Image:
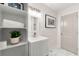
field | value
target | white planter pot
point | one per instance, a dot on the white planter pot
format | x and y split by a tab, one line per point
14	40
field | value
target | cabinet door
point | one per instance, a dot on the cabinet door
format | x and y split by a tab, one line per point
0	53
38	48
26	50
17	51
34	49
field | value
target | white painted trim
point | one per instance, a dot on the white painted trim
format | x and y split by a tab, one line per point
58	32
78	32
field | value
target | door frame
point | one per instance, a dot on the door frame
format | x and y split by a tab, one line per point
77	11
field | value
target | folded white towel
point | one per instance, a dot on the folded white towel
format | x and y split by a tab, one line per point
12	24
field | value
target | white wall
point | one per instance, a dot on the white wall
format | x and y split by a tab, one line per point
65	12
51	33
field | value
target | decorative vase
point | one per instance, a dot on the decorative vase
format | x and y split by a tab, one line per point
14	40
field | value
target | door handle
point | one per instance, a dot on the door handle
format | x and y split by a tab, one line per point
61	33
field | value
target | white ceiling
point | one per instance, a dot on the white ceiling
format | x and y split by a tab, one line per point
59	6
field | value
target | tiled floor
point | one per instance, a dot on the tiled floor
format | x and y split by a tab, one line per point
60	52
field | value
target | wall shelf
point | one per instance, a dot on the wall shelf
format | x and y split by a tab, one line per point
13	28
12	10
12	46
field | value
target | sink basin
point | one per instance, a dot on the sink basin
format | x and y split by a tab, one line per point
37	39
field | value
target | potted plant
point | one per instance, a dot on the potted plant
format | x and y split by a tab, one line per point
15	37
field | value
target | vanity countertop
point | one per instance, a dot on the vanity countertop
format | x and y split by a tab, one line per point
39	38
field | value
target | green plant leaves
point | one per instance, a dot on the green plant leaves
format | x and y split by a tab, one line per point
15	34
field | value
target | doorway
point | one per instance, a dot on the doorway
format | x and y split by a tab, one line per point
69	32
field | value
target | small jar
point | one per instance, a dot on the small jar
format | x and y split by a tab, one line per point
3	44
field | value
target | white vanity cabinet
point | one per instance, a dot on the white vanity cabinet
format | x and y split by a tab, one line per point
38	46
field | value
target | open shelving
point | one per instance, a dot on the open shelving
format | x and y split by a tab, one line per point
12	46
13	15
12	10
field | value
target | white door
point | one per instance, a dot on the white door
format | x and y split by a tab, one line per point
69	32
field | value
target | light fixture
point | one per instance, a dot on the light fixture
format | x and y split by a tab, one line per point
34	13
